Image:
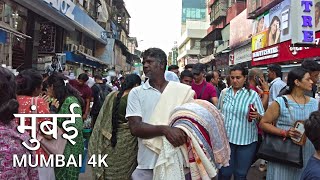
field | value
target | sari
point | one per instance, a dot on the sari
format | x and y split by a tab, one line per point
122	159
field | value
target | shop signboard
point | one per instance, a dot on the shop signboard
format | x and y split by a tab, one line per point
272	27
283	52
304	24
76	14
242	54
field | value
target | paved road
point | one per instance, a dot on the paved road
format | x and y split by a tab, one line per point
254	174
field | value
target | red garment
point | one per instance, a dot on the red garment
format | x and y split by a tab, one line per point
256	90
208	93
25	103
85	90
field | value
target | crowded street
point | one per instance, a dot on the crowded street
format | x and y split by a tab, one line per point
159	90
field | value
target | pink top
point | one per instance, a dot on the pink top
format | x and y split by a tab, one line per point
25	103
208	92
10	144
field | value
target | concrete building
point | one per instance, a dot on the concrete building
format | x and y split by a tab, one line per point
194	24
87	35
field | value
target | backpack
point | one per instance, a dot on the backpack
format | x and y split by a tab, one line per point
103	92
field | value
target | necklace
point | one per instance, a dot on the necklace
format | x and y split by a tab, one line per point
304	105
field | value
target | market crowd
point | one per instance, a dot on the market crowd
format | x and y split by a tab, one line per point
169	124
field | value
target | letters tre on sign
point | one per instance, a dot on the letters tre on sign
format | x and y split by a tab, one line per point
307	21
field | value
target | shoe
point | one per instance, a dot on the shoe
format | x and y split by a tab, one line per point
262	167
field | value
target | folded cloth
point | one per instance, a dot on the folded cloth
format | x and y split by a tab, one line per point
207	147
203	114
175	94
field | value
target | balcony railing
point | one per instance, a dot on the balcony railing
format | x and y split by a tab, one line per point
218	11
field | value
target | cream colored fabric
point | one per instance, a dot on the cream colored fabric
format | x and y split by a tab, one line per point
175	94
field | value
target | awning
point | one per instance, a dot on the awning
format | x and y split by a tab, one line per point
207	59
89	57
6	27
213	35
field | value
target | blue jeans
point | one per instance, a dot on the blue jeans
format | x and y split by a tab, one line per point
240	162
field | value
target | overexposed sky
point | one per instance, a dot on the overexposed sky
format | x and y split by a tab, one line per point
156	22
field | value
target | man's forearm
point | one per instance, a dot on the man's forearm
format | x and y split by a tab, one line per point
87	107
147	131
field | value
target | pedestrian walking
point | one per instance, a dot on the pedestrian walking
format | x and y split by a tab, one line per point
299	107
240	123
111	135
29	87
312	127
11	139
148	112
59	88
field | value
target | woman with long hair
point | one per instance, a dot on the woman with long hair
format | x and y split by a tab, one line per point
300	108
59	88
274	31
29	87
11	140
240	123
111	135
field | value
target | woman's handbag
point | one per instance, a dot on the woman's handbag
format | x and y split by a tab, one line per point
276	149
54	146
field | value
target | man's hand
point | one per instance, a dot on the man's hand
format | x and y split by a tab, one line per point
84	117
175	136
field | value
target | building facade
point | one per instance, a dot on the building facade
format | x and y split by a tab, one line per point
194	23
81	34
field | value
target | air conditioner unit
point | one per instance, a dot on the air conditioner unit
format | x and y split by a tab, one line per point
217	43
81	48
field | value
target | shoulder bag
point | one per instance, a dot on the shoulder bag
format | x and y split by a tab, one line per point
276	149
53	146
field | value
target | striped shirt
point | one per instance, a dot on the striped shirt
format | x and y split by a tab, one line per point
236	109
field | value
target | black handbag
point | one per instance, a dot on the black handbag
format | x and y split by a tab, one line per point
276	149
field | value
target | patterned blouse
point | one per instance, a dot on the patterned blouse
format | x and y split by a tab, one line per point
10	144
25	103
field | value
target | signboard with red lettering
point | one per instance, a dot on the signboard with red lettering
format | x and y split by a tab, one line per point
282	52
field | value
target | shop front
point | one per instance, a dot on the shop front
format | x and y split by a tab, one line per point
62	27
13	18
279	31
241	55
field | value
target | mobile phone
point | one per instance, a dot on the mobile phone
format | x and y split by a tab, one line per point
299	127
257	80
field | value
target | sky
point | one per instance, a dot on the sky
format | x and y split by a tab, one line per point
155	23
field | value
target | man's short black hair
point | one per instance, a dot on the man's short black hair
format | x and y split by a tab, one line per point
172	67
83	77
209	76
276	68
186	73
156	53
188	66
98	76
310	65
312	129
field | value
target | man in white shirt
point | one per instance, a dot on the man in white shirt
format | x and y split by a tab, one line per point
276	84
142	101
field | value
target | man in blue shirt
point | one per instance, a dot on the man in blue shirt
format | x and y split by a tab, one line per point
276	84
312	129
